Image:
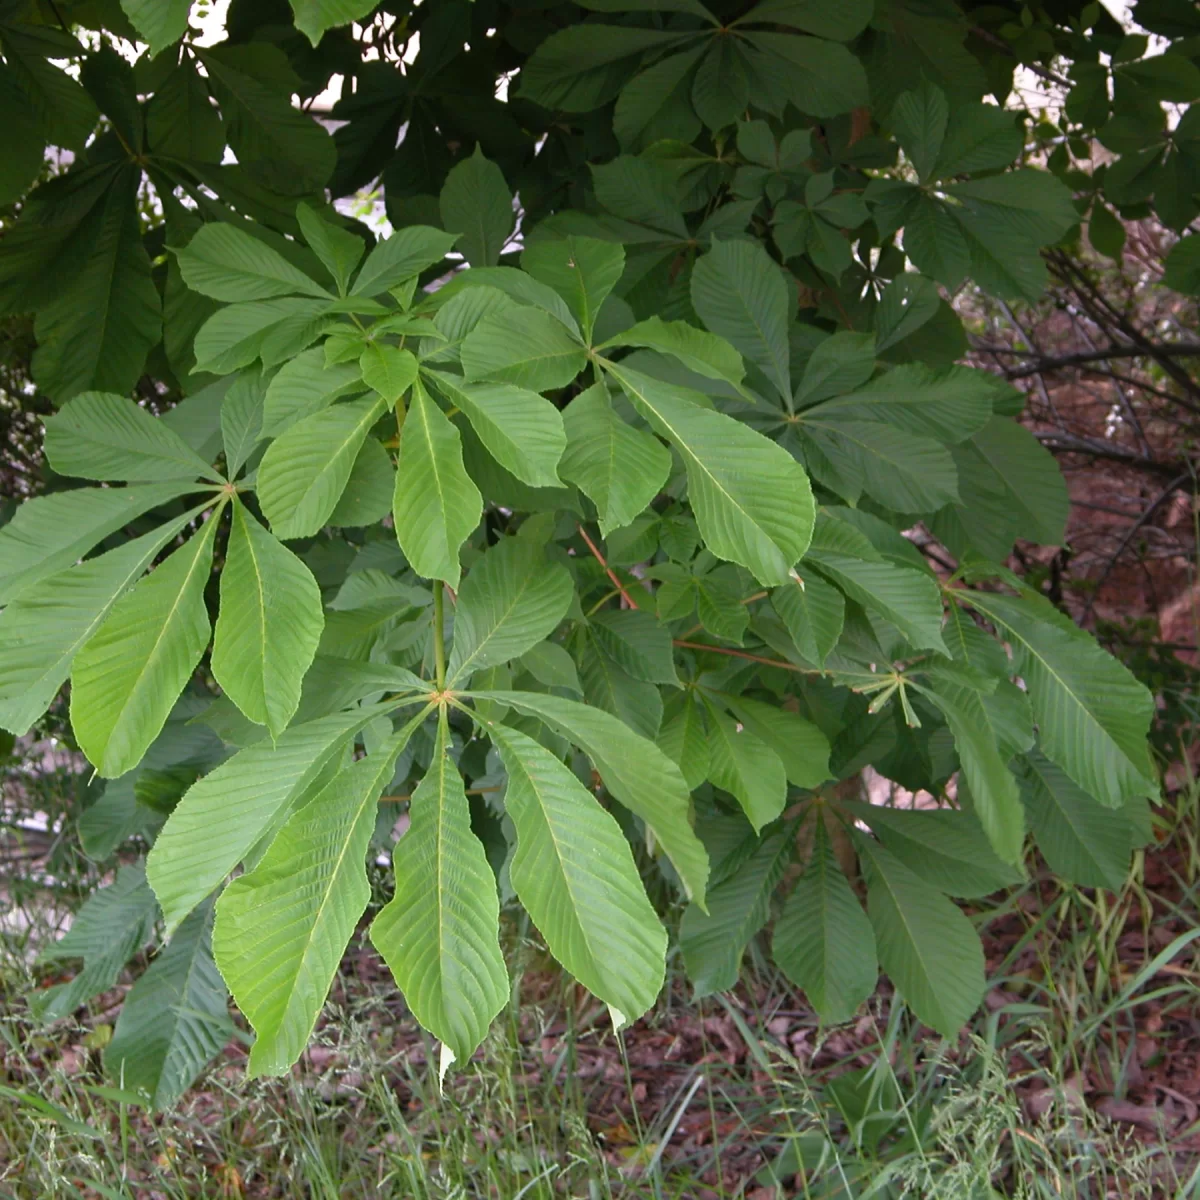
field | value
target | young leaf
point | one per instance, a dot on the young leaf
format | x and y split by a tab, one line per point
269	625
304	471
575	874
282	928
751	499
439	932
221	816
436	506
511	599
102	436
620	468
477	205
823	939
926	945
126	678
389	370
173	1020
228	264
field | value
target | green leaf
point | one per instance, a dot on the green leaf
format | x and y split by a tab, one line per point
620	468
840	22
1033	484
633	769
521	430
389	370
1082	841
1093	716
740	294
575	874
304	472
269	626
813	612
637	643
946	847
367	497
282	928
841	363
126	678
112	819
314	17
823	940
683	739
524	346
926	945
398	258
818	77
181	121
304	386
746	767
801	746
226	263
102	436
50	533
42	630
338	249
477	206
750	498
511	599
235	336
582	270
223	815
713	943
439	932
704	353
919	119
241	419
174	1019
160	22
436	506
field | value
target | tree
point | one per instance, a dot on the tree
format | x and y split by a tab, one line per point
603	516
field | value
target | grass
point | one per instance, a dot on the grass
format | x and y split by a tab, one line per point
1054	1092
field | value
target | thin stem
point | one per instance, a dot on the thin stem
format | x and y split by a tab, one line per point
758	658
607	569
439	635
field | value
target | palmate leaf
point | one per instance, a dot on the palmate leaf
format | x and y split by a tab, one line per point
511	599
746	767
582	270
574	873
221	816
1092	714
242	419
102	436
701	352
751	499
233	337
684	740
269	624
228	264
174	1019
823	940
801	746
436	506
477	205
439	932
524	346
398	258
128	675
42	630
388	370
304	386
633	769
713	942
282	928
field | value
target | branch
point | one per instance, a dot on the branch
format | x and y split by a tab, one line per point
607	569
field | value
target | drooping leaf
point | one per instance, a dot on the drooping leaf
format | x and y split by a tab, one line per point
228	264
314	17
160	22
477	205
338	249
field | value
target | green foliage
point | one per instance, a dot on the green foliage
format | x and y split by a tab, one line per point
601	460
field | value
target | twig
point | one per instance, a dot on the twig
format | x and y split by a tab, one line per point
758	658
607	569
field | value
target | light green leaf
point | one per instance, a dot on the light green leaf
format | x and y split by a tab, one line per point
740	294
439	932
582	270
704	353
746	767
633	769
636	641
173	1020
713	943
314	17
1082	841
102	436
575	874
304	472
234	336
126	678
522	430
926	945
282	928
524	346
367	497
304	386
683	739
476	204
223	815
620	468
226	263
436	506
802	747
823	940
388	369
50	533
813	612
269	625
241	419
751	499
398	258
1093	716
511	599
160	22
338	249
